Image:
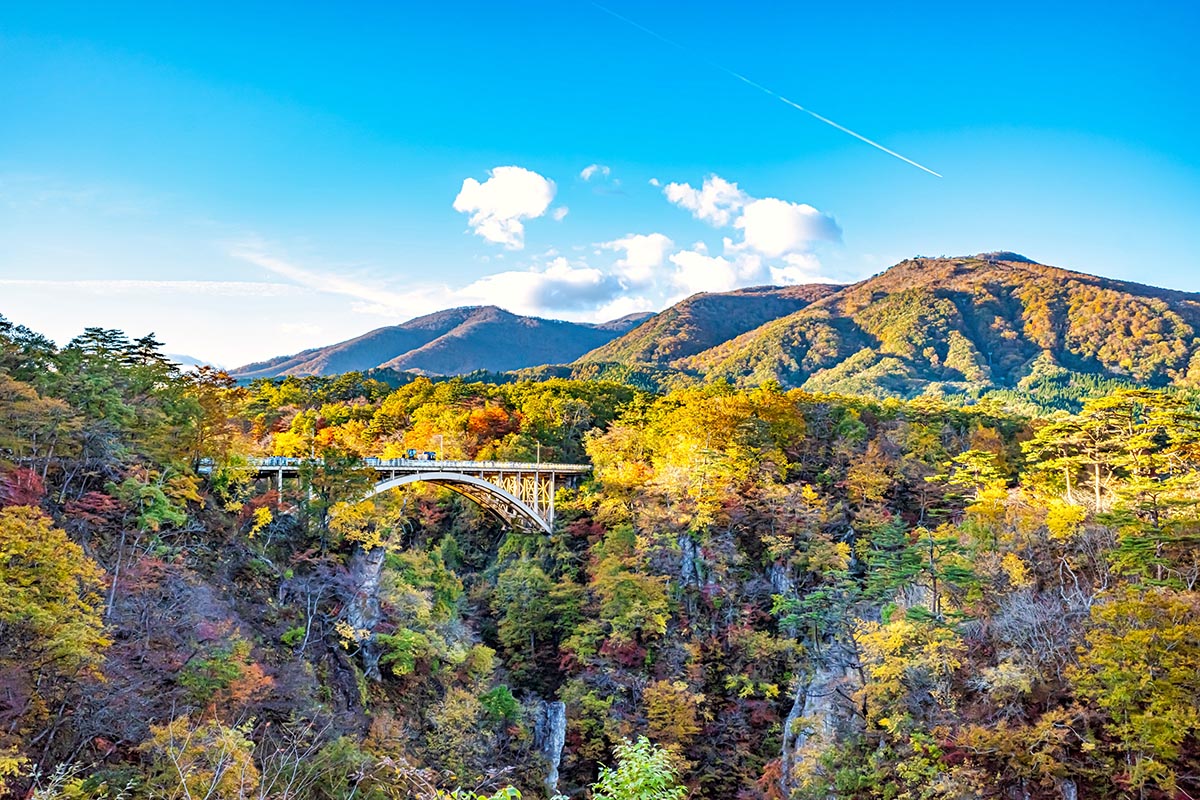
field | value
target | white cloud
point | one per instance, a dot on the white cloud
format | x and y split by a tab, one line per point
775	227
716	202
798	268
594	169
499	205
560	213
697	272
624	305
655	182
561	286
770	226
601	177
644	254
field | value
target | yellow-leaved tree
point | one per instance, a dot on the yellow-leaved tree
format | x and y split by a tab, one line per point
193	759
1141	665
51	625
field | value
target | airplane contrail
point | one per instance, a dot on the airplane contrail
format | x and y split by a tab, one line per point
765	90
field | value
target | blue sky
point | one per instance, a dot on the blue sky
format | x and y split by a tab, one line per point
251	179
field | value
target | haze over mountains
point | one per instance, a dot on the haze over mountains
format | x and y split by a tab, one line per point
967	325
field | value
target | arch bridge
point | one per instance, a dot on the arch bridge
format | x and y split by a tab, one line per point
519	493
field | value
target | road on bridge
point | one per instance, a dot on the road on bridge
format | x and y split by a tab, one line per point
518	492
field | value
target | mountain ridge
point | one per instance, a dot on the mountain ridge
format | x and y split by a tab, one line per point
964	325
705	320
451	341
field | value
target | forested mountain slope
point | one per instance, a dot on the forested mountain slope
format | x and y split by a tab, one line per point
703	321
967	325
363	352
450	342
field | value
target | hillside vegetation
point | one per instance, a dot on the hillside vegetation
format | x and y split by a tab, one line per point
450	342
703	321
967	326
762	593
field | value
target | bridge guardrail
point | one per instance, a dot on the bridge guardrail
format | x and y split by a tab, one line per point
285	462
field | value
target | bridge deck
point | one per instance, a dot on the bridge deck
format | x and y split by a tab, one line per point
519	492
275	464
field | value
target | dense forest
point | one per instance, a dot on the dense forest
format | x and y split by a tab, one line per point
760	593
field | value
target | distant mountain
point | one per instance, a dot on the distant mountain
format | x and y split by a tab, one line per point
451	342
967	325
187	362
625	323
705	320
994	323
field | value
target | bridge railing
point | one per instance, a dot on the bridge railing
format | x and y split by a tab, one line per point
287	462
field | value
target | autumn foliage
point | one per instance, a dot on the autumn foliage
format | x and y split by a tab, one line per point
758	592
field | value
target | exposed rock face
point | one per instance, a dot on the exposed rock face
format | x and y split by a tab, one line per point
781	579
819	712
689	554
363	613
549	736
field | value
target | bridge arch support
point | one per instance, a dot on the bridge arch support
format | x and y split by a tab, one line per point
501	502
